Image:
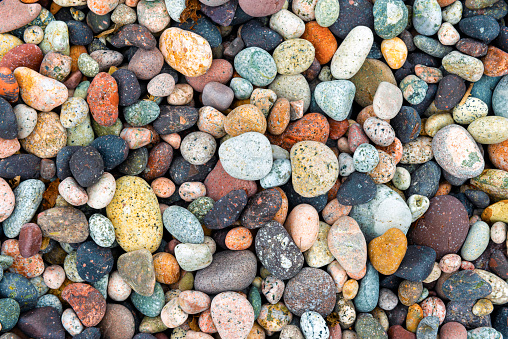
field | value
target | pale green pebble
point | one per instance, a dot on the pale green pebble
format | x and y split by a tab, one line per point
50	300
200	207
186	283
33	35
6	261
327	12
82	89
426	16
425	294
73	112
418	205
152	325
175	8
476	242
469	111
56	38
484	333
179	333
325	74
101	230
171	294
413	89
489	130
141	113
452	13
318	255
102	285
287	24
88	66
401	179
70	268
81	135
294	56
152	305
114	129
278	175
431	46
40	285
123	15
465	66
256	65
242	88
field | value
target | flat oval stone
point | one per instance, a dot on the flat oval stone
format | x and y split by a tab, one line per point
387	100
335	98
465	285
476	242
139	226
472	109
347	244
252	165
465	66
293	56
314	326
443	227
183	225
174	119
463	162
481	27
152	305
277	251
30	240
489	130
41	322
254	34
375	217
64	224
236	269
352	52
129	89
310	290
357	189
256	65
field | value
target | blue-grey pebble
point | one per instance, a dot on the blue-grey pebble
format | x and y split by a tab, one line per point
183	225
50	300
241	87
500	97
428	327
204	27
9	313
368	294
426	16
19	288
141	113
431	46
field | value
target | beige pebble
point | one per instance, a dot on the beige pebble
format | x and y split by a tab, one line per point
190	191
181	95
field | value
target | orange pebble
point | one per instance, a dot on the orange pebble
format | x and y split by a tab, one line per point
163	187
395	52
239	238
498	154
322	39
394	149
166	268
444	188
27	267
205	322
414	316
75	52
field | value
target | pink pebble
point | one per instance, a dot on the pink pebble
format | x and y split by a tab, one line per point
193	302
163	187
205	322
453	330
136	137
54	276
8	147
338	274
450	263
190	191
174	139
7	200
74	194
466	265
435	307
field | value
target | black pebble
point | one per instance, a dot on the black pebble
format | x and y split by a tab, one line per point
86	166
113	149
129	89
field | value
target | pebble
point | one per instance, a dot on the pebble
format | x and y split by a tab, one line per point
387	251
314	326
476	242
351	54
426	17
335	98
287	24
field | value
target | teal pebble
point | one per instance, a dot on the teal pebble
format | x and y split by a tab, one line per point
200	207
327	12
499	97
414	89
150	306
431	46
40	285
476	242
9	313
141	113
368	294
241	87
256	65
390	18
254	298
428	327
50	300
102	285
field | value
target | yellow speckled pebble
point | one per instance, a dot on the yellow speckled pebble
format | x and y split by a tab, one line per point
135	214
395	52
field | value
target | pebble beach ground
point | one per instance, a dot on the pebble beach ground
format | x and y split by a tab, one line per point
251	169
